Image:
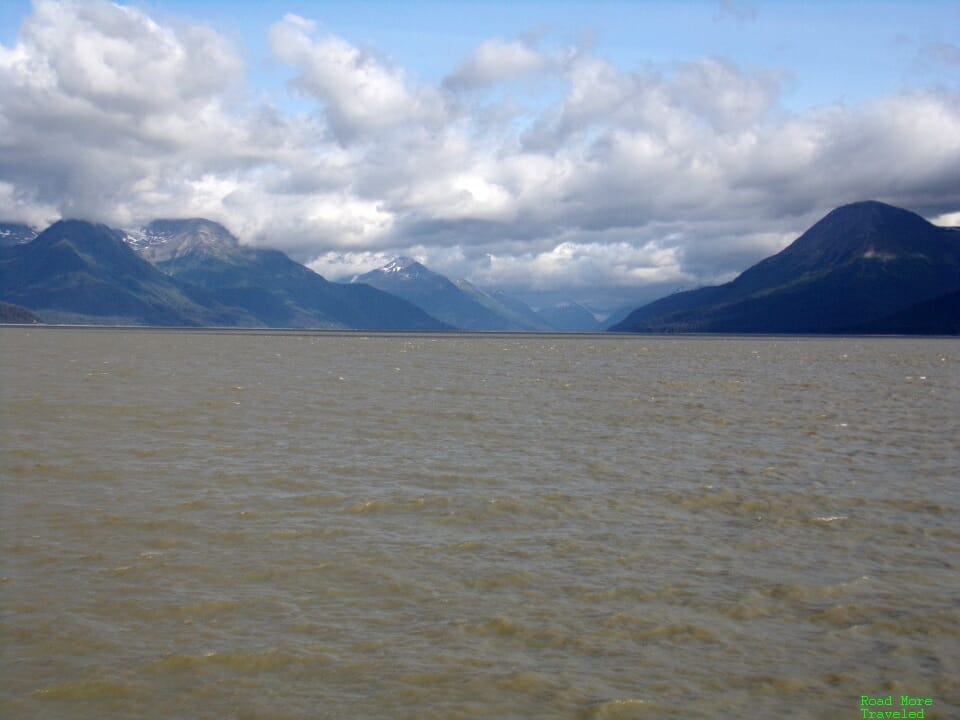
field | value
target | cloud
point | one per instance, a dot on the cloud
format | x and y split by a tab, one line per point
338	265
723	95
947	219
587	264
103	108
359	92
657	175
495	61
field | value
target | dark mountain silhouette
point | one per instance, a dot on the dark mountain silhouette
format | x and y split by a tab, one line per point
939	316
268	285
462	307
857	268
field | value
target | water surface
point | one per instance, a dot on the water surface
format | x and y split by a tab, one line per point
303	525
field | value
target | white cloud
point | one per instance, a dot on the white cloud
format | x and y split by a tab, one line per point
586	264
947	220
359	92
721	94
655	175
17	206
100	102
347	265
116	58
497	60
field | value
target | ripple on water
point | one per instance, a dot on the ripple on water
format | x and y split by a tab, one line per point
627	709
89	690
522	527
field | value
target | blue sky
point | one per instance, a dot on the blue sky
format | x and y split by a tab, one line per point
833	50
591	151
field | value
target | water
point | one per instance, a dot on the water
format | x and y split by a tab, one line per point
279	525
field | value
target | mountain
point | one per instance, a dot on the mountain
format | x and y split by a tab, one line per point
939	316
266	284
570	317
859	267
15	233
435	294
523	313
620	314
200	275
79	272
517	314
16	315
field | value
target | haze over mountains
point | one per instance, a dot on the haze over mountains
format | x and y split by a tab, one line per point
864	268
458	303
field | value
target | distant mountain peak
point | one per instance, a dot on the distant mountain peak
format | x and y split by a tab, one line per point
864	209
402	261
860	228
457	304
81	271
403	264
168	239
857	265
172	226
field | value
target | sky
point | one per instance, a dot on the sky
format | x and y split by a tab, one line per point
605	153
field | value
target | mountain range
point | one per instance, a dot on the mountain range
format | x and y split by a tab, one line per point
458	304
864	268
193	272
267	285
80	272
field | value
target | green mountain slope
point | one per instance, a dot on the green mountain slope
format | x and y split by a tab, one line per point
79	272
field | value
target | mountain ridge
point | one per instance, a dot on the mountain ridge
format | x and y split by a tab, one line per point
865	267
267	284
440	297
859	263
76	271
81	272
470	308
